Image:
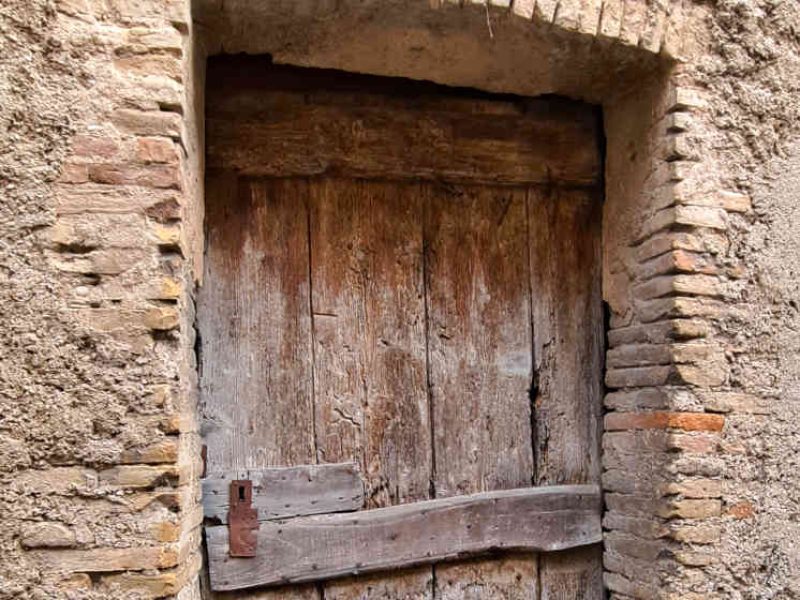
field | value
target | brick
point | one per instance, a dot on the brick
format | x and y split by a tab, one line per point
567	16
157	176
694	216
151	65
629	545
694	559
704	241
165	531
161	452
165	211
678	261
143	585
100	560
166	235
523	8
694	442
679	308
689	285
611	19
695	534
708	374
643	527
652	398
47	535
692	509
162	38
686	99
658	333
545	10
74	173
94	146
149	123
664	420
632	504
638	376
162	319
76	581
620	481
589	19
741	510
638	355
139	476
156	150
694	488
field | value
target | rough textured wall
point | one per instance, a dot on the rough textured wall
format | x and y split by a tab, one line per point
97	176
753	78
93	366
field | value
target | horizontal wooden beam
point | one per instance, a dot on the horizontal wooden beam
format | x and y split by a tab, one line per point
283	492
327	546
309	127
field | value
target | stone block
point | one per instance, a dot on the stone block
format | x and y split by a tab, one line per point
140	476
693	216
635	355
638	376
698	443
47	535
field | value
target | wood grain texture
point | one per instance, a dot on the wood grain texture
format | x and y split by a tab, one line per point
506	577
369	335
565	238
479	336
254	325
369	346
326	546
283	492
309	124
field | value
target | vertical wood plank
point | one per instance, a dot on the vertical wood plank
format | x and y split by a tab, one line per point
254	324
565	236
255	329
369	349
479	337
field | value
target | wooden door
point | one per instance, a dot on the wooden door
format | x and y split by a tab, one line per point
405	278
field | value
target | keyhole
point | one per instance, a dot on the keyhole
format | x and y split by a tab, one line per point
241	492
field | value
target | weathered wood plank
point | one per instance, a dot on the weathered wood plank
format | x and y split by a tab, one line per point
565	228
283	492
369	335
506	577
479	336
326	546
254	325
270	125
369	343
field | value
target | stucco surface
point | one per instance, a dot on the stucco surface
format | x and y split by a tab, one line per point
85	385
753	75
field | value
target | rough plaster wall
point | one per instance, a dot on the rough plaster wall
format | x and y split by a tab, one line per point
753	76
89	380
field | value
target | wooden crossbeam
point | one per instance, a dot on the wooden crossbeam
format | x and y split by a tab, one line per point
327	546
284	492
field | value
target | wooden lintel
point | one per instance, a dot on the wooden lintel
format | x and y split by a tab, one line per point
327	546
282	492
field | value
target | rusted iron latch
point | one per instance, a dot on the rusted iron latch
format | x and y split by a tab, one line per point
242	519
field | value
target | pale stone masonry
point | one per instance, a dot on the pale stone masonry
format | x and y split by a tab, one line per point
101	242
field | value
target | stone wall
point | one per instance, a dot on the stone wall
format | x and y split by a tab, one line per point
100	240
